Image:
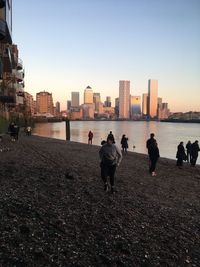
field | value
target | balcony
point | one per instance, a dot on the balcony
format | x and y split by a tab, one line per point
19	64
18	75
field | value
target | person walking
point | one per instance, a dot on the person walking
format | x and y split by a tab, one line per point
188	149
110	156
90	137
110	135
124	143
180	155
153	156
194	152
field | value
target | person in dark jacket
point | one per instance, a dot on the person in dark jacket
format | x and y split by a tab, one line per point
124	143
110	135
180	155
150	141
90	137
188	149
110	156
194	152
153	156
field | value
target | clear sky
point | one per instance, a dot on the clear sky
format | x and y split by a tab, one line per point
67	45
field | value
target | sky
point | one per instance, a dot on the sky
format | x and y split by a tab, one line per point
67	45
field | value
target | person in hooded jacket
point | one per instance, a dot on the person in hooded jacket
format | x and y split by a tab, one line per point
110	156
180	155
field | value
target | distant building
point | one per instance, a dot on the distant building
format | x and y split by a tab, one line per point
76	113
69	103
152	98
107	103
135	107
88	111
88	95
96	101
124	94
75	99
29	103
144	104
44	103
57	110
163	111
117	107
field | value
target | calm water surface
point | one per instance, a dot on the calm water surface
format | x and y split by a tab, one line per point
168	135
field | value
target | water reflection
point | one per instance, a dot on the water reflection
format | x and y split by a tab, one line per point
168	135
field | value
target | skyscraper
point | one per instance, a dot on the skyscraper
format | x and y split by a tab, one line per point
124	94
144	104
152	98
135	107
88	95
96	100
75	99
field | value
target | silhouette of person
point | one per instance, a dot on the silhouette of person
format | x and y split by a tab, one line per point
194	152
188	148
90	137
110	135
180	155
153	156
124	143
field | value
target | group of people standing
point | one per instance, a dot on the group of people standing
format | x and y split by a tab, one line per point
111	156
190	155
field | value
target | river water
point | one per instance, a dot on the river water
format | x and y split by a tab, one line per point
168	135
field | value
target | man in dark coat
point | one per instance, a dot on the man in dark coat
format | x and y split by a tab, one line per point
180	155
194	152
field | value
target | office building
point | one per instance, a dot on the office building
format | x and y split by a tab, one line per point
44	102
135	107
88	95
152	98
74	99
57	107
107	103
144	104
124	94
96	101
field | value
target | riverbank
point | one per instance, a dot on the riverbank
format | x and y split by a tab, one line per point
54	211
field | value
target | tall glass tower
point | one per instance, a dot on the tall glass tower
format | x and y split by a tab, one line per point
152	98
124	94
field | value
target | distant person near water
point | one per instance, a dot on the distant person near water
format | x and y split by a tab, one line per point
188	149
194	152
110	135
150	141
153	157
110	156
90	137
28	130
180	155
124	143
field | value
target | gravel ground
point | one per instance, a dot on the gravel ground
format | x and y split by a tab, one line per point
54	211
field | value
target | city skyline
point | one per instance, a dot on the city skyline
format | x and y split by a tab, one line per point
72	45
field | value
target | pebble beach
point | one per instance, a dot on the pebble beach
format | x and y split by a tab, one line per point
54	211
